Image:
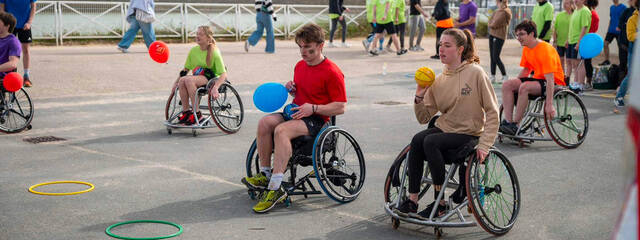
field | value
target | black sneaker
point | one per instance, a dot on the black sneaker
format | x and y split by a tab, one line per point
403	51
459	195
373	53
406	208
509	129
606	62
184	117
435	57
424	214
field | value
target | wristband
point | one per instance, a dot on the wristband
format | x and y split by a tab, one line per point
419	97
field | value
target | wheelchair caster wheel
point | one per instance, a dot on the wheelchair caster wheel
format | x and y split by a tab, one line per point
169	131
520	143
252	194
29	127
287	202
437	232
395	223
500	139
193	131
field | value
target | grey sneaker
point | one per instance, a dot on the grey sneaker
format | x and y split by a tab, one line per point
619	102
419	49
365	43
123	50
246	46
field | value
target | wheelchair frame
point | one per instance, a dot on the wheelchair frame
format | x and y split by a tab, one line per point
211	116
323	143
10	105
535	124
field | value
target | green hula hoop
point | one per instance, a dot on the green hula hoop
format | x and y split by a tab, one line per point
108	231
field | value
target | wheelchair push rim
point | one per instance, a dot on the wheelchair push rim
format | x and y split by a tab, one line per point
494	192
227	110
339	164
16	111
570	125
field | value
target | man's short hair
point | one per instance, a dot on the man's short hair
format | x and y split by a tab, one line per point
527	26
591	3
8	19
310	33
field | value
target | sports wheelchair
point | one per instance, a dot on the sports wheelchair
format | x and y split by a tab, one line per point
568	128
226	112
335	157
16	110
492	190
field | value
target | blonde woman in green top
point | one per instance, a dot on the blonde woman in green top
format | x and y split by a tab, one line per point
205	62
561	35
400	21
579	24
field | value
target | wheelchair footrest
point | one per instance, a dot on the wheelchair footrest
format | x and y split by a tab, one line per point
436	222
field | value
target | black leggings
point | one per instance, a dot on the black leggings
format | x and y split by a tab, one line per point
588	67
400	31
334	26
439	32
432	143
495	47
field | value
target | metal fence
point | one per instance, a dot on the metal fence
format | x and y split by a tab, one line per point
64	20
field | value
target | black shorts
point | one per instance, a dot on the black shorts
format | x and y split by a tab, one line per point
572	53
389	27
561	51
542	82
610	37
23	35
314	123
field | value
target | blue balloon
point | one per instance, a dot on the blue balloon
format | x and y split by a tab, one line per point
270	97
590	46
288	111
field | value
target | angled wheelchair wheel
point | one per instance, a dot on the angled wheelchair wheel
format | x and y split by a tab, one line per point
227	110
494	192
393	181
339	164
16	111
570	125
173	107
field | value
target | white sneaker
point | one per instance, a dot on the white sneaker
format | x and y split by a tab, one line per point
331	45
419	49
505	78
345	45
246	46
123	50
492	78
365	43
388	48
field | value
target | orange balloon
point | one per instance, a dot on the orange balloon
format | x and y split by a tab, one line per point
159	51
12	82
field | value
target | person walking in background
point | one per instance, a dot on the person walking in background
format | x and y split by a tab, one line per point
369	7
498	24
579	24
561	36
542	16
613	33
444	21
595	21
467	18
264	15
400	21
140	15
336	10
416	24
383	12
24	12
632	32
623	42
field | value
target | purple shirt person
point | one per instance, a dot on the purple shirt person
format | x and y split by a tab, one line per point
9	46
467	18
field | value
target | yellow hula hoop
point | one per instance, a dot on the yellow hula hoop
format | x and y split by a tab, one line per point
91	187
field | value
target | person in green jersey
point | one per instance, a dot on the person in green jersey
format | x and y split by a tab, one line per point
561	35
369	8
400	21
579	25
383	14
543	15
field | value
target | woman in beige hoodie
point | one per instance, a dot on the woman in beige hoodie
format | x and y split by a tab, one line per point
465	97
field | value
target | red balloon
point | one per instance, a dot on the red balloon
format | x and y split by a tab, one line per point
159	51
12	82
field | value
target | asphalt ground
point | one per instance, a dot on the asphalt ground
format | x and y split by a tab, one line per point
110	108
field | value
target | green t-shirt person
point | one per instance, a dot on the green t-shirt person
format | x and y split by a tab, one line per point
561	27
369	7
198	58
400	10
381	7
579	19
540	15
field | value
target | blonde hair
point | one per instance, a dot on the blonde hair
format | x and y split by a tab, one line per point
207	31
464	39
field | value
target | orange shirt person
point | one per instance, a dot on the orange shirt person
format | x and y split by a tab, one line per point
541	58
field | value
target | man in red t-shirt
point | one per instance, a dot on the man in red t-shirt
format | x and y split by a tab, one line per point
541	58
319	91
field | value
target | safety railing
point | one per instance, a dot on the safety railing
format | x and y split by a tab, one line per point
64	20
